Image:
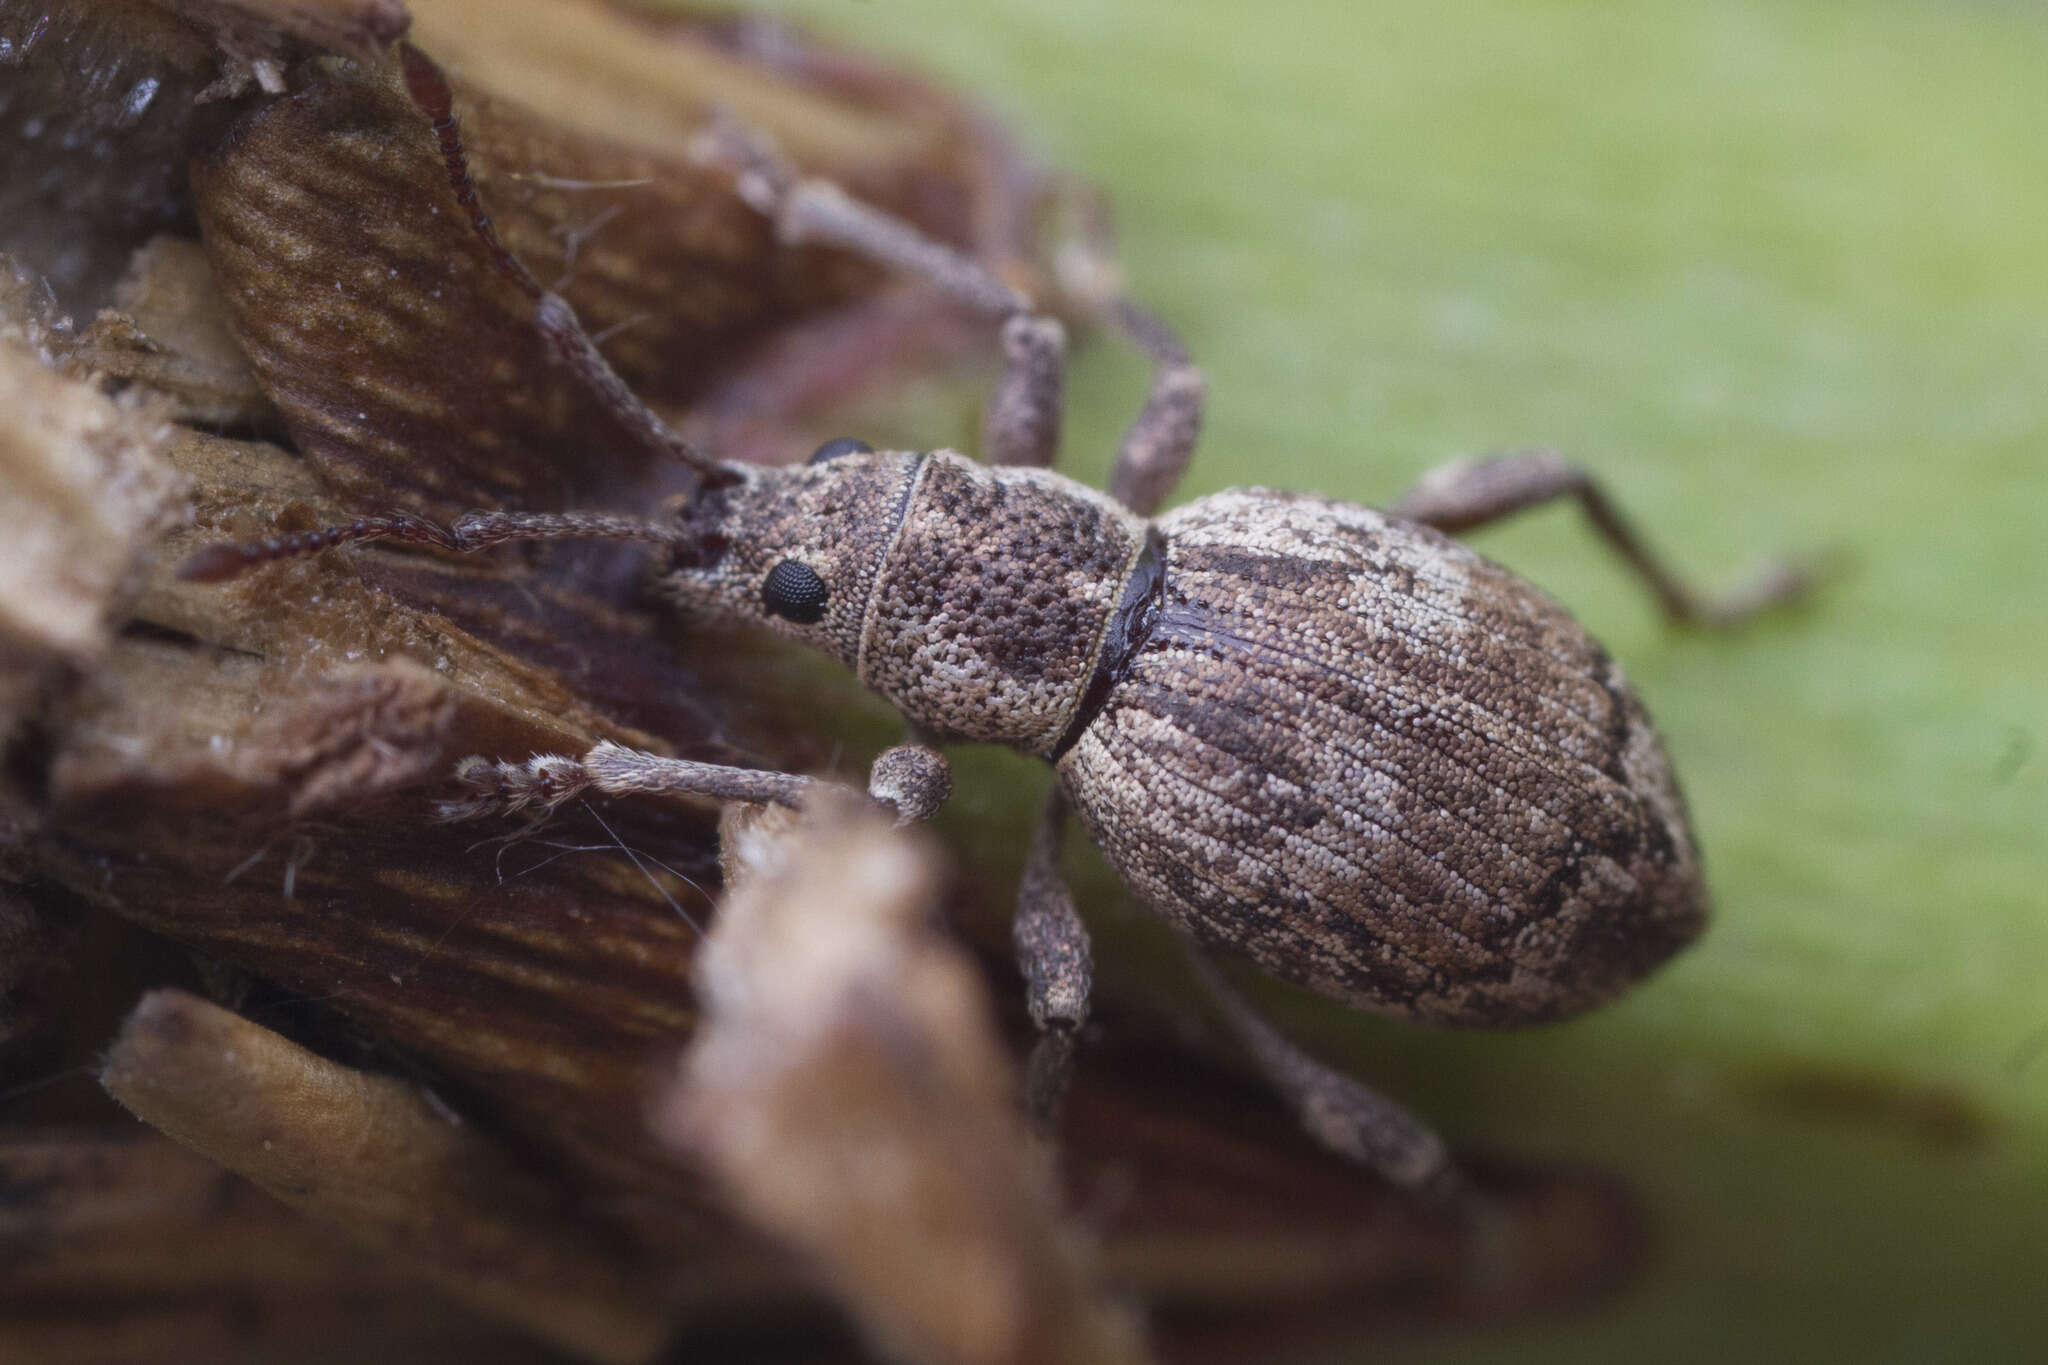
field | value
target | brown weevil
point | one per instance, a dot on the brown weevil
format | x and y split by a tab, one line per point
1329	739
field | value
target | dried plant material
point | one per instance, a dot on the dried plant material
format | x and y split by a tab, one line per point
266	30
1248	1240
851	1096
30	318
169	332
83	490
34	946
183	775
407	368
369	1154
94	135
178	1258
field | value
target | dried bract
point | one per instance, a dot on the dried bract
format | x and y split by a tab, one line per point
84	489
849	1092
369	1154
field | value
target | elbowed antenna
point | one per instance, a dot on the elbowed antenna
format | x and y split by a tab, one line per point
469	532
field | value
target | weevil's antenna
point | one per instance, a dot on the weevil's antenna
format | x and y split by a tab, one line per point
471	531
564	336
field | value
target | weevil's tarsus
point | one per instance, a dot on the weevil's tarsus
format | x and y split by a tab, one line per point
1159	443
1340	1112
1465	494
1054	954
813	212
467	533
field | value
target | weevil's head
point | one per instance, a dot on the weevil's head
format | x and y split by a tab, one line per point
795	549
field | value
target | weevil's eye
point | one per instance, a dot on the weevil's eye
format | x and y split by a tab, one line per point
845	445
794	590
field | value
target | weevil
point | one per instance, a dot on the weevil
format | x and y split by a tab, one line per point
1328	739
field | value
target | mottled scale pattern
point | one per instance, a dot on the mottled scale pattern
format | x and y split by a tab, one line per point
991	607
1386	769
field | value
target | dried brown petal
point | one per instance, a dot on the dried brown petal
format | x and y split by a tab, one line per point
544	979
368	1154
83	490
33	948
121	1247
171	334
407	368
94	134
849	1091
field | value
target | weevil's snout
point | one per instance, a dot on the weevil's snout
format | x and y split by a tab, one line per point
795	549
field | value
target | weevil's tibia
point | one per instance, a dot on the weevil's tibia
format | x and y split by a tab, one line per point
469	532
912	781
1059	970
1021	424
1465	494
1340	1112
567	342
813	212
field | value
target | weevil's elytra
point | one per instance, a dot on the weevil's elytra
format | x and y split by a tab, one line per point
1386	769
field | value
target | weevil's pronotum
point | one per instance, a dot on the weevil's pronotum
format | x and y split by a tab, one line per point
1329	739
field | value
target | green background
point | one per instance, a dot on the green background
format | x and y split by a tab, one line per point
1779	273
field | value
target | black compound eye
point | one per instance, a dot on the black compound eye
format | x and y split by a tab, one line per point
794	590
844	445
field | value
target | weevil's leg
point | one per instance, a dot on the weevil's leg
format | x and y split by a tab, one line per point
1021	423
547	780
911	780
1468	493
1339	1111
1157	446
568	344
1059	970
